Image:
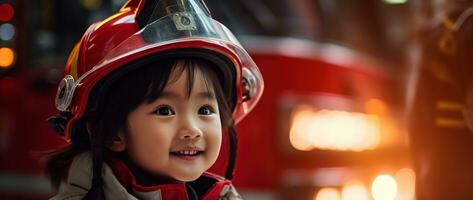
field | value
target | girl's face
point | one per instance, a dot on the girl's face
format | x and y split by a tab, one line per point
178	135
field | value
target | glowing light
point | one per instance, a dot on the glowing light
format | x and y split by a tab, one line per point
395	1
327	194
6	12
384	187
7	31
91	4
333	130
375	106
7	56
355	190
406	181
298	135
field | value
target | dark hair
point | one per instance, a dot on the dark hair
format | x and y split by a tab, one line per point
112	101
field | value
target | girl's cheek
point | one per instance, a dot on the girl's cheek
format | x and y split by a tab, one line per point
217	134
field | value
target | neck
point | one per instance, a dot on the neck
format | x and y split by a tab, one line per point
142	176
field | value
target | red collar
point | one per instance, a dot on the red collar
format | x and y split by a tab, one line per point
128	180
166	191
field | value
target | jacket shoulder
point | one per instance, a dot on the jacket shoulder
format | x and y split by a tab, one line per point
69	192
80	177
222	188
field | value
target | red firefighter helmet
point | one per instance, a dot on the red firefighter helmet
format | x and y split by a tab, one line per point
144	28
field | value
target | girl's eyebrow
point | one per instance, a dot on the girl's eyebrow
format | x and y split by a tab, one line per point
206	95
170	95
177	96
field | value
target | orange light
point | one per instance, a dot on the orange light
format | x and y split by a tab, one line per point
355	190
384	187
7	56
327	194
333	130
406	180
91	4
376	107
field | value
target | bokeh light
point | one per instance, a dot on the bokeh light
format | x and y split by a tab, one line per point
406	181
333	130
6	12
327	194
355	190
376	106
7	31
395	1
7	56
384	187
91	4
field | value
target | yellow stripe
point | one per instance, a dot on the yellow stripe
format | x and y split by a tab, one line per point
450	122
449	106
448	23
107	20
74	67
74	54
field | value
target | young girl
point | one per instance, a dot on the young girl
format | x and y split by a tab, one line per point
147	96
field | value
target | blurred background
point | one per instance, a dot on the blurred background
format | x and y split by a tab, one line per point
338	119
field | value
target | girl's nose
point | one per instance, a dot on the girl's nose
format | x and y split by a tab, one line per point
189	130
190	133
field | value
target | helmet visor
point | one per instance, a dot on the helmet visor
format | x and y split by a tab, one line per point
178	21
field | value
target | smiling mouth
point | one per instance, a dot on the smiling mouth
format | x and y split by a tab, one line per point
186	153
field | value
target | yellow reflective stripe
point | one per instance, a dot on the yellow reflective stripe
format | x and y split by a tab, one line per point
440	71
443	105
450	122
449	24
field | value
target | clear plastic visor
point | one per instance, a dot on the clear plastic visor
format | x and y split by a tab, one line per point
183	26
175	28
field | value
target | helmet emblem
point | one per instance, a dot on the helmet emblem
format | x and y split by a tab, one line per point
184	21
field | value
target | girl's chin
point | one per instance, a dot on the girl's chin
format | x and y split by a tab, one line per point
186	175
188	178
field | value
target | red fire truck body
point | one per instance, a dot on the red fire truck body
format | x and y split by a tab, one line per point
303	72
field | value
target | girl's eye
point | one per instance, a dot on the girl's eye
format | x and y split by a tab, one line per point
165	111
206	110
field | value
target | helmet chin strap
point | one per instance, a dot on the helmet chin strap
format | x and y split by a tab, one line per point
96	190
58	122
232	133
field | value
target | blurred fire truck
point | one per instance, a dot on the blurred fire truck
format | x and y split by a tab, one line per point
328	125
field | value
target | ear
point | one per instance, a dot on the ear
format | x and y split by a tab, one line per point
119	143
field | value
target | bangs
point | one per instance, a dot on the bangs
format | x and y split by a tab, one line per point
183	67
190	67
